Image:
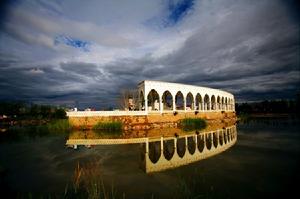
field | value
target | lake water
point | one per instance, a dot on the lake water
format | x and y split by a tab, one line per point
262	163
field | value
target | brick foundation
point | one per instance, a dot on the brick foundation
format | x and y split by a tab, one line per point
153	121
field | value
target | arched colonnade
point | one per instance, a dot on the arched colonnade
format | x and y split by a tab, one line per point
164	96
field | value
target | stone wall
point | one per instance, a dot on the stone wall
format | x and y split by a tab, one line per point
151	121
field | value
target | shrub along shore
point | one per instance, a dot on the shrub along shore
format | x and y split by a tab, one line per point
190	124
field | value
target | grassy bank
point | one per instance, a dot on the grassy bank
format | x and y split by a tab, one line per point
108	126
59	125
189	124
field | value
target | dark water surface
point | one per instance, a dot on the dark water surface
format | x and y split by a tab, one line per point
263	163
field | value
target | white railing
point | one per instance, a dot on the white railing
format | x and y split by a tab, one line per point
103	113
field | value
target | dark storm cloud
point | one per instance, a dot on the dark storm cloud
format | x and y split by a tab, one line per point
249	48
86	69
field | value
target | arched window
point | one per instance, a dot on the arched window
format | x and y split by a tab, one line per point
167	100
213	102
198	102
189	101
153	100
179	101
218	103
206	102
222	104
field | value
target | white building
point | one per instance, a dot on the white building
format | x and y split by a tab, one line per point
165	96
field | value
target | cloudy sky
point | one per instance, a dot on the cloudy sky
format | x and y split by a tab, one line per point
84	52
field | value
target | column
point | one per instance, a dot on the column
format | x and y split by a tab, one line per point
184	104
161	107
174	104
146	105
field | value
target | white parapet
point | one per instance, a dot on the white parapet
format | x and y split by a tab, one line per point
103	113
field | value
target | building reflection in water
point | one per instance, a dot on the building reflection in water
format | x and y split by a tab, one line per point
170	152
165	153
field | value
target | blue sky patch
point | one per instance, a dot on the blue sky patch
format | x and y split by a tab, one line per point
76	43
178	10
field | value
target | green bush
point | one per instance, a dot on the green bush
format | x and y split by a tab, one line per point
189	124
59	125
109	126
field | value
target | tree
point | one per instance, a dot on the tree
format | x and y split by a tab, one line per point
129	99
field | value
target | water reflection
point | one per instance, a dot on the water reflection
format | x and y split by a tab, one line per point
160	153
178	151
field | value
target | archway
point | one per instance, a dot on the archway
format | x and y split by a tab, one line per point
222	103
189	101
153	101
213	102
218	103
198	103
206	102
141	101
167	100
232	104
179	101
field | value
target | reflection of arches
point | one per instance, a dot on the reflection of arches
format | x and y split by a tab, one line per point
169	149
213	102
208	140
200	142
206	102
227	134
179	101
191	144
154	151
224	137
153	100
215	139
184	150
220	138
189	101
167	100
198	103
181	147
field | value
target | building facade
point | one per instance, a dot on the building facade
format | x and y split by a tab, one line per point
157	96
